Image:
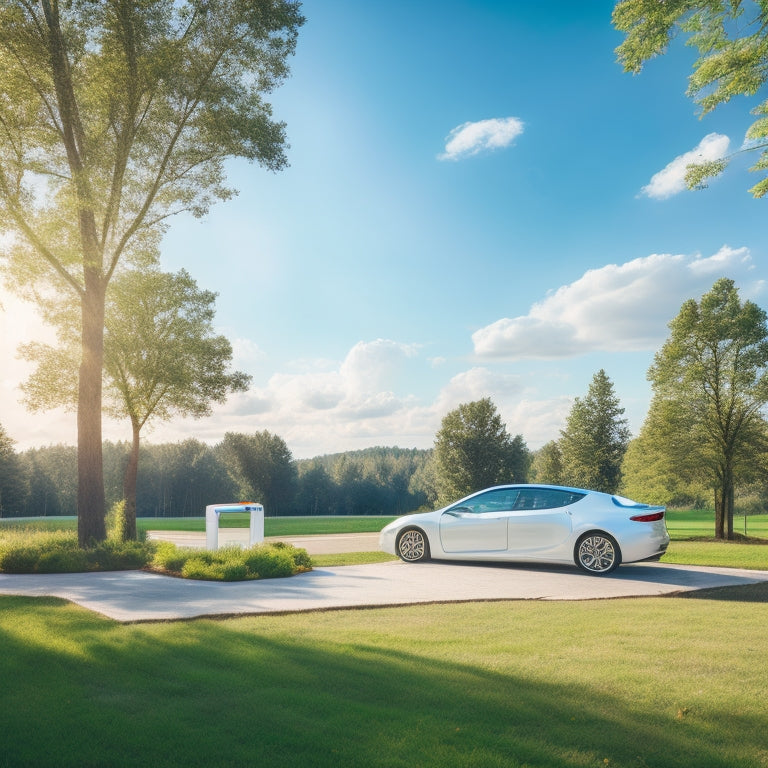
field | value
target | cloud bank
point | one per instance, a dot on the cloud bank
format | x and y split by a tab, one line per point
471	139
671	179
617	308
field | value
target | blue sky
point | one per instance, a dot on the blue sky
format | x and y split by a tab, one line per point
479	202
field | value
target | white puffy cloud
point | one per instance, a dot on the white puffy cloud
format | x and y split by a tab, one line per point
617	308
670	180
470	139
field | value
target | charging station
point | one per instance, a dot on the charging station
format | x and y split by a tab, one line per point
212	512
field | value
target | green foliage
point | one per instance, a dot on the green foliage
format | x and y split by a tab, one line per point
27	550
169	557
369	481
547	464
116	521
13	479
262	561
710	383
181	479
473	450
655	469
263	466
595	438
731	37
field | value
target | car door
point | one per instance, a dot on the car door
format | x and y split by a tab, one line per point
540	520
478	524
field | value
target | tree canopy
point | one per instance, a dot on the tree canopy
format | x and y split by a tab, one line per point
710	384
732	39
473	450
114	116
595	437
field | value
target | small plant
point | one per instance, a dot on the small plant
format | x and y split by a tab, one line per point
115	521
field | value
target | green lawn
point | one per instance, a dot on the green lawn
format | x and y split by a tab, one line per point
682	524
273	526
694	523
668	682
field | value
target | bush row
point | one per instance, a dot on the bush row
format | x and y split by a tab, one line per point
263	561
34	551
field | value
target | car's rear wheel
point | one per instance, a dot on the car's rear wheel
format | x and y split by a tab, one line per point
597	553
412	546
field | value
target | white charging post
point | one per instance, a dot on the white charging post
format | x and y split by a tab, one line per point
212	512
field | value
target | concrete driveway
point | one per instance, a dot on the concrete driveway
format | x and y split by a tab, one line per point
131	596
317	544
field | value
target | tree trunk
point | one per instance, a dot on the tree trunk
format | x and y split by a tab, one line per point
719	514
724	503
129	488
90	487
728	503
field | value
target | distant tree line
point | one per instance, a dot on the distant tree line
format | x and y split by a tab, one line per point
180	479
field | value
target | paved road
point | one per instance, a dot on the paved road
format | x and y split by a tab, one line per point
140	596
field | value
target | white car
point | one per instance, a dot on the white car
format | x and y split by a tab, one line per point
542	523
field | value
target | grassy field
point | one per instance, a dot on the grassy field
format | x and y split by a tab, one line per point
682	524
676	682
670	682
695	523
273	526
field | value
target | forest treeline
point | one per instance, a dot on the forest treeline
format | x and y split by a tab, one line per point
180	479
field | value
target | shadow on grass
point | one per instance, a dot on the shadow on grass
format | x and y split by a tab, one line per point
83	691
748	593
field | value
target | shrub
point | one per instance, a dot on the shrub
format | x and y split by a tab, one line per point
35	551
219	570
115	521
112	555
18	559
168	557
62	561
269	562
263	561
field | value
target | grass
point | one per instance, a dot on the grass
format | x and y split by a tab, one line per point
623	683
697	523
273	526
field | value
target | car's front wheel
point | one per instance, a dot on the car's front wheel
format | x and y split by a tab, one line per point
412	546
597	553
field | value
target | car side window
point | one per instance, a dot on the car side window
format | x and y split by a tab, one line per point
545	498
498	500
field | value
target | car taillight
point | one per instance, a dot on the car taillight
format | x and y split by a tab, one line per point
650	518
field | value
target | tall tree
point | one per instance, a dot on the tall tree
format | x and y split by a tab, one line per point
115	115
595	438
162	359
264	467
712	376
732	39
473	450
